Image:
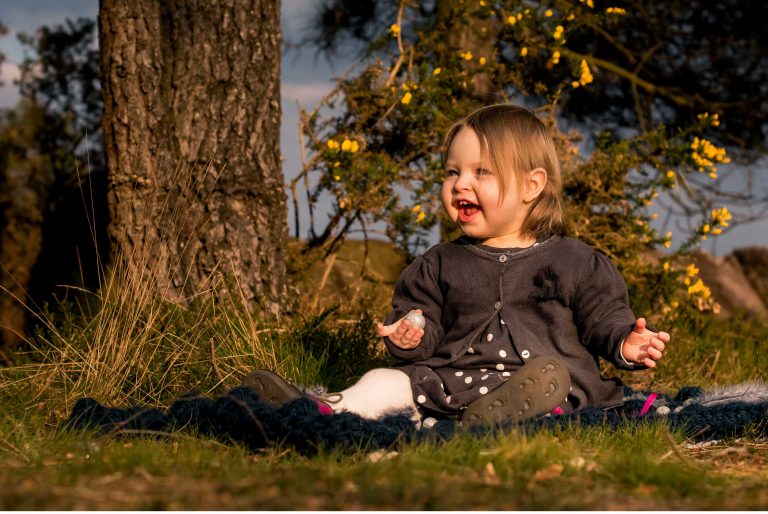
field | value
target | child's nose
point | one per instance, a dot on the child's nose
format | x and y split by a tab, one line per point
462	181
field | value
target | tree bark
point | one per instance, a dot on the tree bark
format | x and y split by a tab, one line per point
191	133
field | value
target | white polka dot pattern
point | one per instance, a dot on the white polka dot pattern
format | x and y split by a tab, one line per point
502	353
468	380
489	337
483	390
500	367
421	398
459	373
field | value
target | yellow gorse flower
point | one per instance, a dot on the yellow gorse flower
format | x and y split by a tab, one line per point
668	240
416	208
616	10
394	29
555	57
332	144
713	119
482	61
721	216
558	33
705	155
699	289
349	145
585	75
524	51
406	98
420	217
691	270
437	71
548	13
467	56
511	20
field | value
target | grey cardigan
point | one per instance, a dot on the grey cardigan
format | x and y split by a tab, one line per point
559	297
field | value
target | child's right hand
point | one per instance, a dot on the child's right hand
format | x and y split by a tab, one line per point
402	333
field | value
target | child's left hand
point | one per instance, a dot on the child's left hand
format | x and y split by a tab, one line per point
643	346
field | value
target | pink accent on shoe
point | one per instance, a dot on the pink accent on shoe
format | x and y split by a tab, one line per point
648	403
557	411
323	407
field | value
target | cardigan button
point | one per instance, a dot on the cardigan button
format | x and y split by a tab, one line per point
503	258
525	354
497	305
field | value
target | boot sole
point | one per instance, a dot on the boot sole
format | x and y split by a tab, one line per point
535	389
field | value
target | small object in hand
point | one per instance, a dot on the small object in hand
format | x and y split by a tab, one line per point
416	320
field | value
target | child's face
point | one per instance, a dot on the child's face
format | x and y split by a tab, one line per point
472	197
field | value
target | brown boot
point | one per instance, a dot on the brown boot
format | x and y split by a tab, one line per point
271	388
535	389
275	391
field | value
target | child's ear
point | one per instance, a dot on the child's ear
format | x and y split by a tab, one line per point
533	184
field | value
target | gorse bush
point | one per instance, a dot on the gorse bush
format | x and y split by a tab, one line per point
376	158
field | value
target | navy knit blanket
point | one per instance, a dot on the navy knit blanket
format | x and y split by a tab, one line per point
240	417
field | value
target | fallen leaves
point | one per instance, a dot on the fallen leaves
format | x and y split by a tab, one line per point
548	473
489	475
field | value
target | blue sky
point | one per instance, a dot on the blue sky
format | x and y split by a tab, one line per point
306	78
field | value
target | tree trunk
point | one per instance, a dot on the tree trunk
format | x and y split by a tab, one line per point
191	132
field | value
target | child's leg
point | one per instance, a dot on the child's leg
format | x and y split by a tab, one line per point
378	392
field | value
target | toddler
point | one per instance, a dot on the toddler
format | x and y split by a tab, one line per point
515	314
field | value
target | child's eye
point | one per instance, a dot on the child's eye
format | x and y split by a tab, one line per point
482	171
452	173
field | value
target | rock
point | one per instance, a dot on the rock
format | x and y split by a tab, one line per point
729	284
739	282
754	264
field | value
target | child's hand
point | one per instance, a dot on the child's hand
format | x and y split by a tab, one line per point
402	333
643	346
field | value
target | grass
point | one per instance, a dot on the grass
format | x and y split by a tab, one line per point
136	349
595	469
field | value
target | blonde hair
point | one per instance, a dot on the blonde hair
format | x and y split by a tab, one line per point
516	142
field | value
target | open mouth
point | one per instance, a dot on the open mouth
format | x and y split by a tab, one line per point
466	210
